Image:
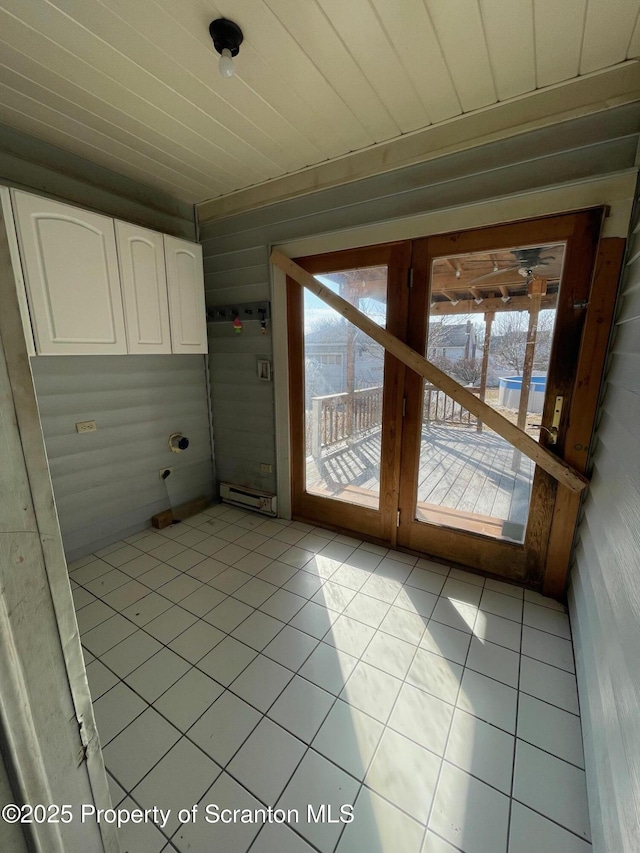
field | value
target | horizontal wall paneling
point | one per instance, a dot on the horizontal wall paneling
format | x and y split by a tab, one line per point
107	482
523	148
604	596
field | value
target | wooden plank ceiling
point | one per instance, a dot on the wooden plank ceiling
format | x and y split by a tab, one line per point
134	86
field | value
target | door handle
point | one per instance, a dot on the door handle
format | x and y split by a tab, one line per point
555	422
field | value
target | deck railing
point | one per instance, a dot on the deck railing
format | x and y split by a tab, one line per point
439	408
337	417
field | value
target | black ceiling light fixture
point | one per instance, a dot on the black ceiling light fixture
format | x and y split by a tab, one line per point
227	38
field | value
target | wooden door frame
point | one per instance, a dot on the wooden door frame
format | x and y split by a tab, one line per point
552	521
377	524
583	411
616	193
595	266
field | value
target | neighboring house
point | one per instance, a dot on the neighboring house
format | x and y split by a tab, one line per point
452	341
326	354
326	360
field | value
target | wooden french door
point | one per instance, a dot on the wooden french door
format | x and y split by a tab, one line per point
503	310
345	393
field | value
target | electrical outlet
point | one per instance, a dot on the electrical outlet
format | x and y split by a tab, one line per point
162	471
265	468
86	426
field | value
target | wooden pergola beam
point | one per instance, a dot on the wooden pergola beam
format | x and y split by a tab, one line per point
536	290
455	266
554	466
470	306
446	278
488	322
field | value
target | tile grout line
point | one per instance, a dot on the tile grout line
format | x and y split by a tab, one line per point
554	821
446	743
230	634
375	628
282	586
515	740
294	673
307	749
287	624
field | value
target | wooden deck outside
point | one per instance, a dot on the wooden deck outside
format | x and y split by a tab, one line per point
460	469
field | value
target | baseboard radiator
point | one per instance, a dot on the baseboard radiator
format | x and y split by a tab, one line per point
249	498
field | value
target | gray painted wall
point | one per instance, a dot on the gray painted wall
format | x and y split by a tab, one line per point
107	483
604	595
236	251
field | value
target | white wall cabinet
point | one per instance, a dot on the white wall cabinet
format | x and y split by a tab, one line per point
95	286
185	284
71	274
144	289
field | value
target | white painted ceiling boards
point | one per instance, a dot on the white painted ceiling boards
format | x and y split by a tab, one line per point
133	85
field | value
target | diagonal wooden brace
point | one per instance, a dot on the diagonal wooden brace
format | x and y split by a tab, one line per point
557	468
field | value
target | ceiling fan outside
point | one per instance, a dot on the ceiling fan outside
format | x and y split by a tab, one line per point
527	261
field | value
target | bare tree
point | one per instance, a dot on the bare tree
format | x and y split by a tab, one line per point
467	370
314	382
546	322
509	341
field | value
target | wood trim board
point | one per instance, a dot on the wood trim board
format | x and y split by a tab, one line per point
588	94
583	409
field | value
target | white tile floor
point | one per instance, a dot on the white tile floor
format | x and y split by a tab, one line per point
252	663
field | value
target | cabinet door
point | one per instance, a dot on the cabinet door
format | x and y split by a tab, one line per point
185	283
10	228
71	272
144	289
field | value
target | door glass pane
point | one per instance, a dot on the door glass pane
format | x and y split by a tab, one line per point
490	327
344	374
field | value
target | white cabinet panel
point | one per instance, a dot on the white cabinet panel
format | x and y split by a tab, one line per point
185	284
144	289
10	228
71	273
